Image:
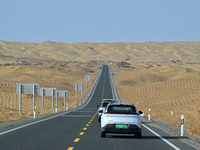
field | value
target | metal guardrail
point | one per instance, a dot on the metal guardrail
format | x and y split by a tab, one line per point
87	95
115	91
84	100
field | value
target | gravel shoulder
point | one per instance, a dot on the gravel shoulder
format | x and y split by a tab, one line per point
175	131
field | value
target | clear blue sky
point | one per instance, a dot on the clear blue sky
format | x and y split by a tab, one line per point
99	20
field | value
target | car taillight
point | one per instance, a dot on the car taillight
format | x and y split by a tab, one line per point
132	127
109	126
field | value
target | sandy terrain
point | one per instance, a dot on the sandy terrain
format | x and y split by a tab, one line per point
84	52
169	90
163	76
61	76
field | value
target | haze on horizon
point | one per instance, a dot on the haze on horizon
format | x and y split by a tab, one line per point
99	21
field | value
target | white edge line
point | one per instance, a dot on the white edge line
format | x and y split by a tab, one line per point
53	116
169	143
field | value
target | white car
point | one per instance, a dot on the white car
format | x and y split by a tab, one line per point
109	100
121	118
103	107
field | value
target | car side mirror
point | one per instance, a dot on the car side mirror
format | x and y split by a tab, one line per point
141	113
100	111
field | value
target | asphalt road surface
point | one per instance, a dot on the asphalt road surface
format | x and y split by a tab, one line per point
80	130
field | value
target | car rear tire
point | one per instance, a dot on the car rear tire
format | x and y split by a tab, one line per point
99	119
138	135
103	134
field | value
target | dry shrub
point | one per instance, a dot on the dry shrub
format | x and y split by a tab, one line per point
163	90
46	77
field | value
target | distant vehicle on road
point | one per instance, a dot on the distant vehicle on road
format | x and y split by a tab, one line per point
103	107
121	118
109	100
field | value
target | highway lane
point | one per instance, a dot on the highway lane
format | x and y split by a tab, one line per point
81	130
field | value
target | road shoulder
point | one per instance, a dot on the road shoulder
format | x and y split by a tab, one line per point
174	131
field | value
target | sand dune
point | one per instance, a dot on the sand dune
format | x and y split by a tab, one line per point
164	89
163	76
149	51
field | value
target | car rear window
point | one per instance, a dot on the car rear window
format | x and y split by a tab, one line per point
104	104
121	109
108	100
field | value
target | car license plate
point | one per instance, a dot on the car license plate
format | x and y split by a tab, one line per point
121	126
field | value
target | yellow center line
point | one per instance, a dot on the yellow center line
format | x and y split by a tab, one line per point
77	139
87	125
94	115
81	133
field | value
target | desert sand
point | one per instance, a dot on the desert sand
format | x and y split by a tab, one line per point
61	76
84	52
169	90
162	76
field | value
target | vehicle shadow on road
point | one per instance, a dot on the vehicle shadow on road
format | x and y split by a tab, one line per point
121	136
143	137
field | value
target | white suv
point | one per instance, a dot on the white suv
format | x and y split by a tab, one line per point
121	118
103	106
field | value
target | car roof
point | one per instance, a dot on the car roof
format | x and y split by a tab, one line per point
106	102
121	104
108	99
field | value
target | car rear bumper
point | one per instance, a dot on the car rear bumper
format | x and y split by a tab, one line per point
131	129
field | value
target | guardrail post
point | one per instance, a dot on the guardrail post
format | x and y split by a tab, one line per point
33	98
149	114
182	124
34	112
56	109
52	100
67	106
20	99
42	100
81	91
64	101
